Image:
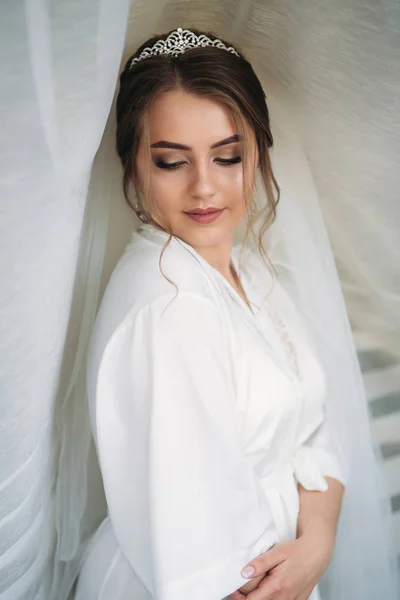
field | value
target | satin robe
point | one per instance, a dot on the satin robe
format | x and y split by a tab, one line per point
206	414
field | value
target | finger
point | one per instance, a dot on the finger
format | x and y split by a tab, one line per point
265	562
237	596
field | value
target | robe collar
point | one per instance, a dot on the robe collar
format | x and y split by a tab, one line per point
257	286
218	280
304	464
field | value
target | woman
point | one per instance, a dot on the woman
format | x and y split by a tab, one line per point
206	394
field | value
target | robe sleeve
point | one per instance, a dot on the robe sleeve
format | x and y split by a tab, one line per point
317	458
184	502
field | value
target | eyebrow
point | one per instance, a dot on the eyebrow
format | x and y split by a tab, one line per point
175	146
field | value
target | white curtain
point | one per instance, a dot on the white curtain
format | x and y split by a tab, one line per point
335	67
60	64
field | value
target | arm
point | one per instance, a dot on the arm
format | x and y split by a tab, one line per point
316	527
318	517
296	566
310	554
320	505
183	501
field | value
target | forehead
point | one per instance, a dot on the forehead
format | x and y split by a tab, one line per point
187	119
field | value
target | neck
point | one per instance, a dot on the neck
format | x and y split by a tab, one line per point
219	257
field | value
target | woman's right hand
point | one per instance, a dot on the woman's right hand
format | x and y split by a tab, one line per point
251	585
289	571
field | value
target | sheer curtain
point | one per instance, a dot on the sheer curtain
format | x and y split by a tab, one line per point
60	64
335	69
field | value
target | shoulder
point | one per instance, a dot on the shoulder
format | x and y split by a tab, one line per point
170	334
139	293
172	324
142	276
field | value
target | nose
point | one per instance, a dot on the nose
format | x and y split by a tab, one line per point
201	184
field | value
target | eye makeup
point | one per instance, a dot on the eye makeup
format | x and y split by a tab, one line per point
161	164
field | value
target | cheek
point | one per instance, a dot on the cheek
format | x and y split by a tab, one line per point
232	188
168	188
235	191
233	178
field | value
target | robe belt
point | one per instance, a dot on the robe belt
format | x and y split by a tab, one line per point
280	486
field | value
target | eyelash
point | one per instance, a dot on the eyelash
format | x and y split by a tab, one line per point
226	162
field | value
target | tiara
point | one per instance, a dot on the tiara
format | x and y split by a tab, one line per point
178	42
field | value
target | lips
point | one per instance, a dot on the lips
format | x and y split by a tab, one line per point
207	216
203	211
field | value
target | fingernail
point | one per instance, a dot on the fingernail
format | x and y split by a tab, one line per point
248	571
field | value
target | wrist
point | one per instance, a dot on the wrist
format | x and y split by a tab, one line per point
318	529
318	545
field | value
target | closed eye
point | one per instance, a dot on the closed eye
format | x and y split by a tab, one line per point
163	165
175	165
229	161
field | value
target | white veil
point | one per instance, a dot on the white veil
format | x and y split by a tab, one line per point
364	562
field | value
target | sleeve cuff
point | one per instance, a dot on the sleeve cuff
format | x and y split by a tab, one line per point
329	465
312	465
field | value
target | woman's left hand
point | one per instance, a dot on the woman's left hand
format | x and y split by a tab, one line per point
289	570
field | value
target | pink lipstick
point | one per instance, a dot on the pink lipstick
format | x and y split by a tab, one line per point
205	215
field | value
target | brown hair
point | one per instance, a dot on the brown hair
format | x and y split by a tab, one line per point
209	72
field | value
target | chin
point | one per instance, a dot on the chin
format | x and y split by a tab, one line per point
208	236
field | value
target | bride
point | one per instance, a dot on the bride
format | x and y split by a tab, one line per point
213	393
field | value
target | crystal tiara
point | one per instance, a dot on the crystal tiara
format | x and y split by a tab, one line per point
177	42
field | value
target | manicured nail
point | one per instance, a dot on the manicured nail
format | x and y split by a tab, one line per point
248	571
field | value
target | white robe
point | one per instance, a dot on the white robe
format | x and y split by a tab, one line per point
203	429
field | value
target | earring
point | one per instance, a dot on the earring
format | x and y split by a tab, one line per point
140	213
